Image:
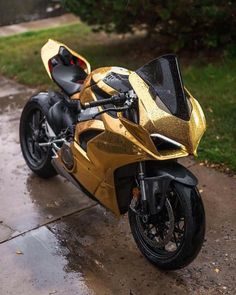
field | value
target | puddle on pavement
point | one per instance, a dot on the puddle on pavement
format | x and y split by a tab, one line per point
91	252
34	264
26	200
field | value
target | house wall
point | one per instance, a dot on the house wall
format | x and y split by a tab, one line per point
15	11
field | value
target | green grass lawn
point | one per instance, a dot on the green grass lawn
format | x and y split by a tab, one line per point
20	54
213	84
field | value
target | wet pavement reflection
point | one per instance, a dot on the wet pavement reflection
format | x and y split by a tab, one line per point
26	200
33	264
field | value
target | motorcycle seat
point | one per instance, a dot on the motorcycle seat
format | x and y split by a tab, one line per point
69	78
66	71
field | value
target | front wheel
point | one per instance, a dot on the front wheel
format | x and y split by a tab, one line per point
172	239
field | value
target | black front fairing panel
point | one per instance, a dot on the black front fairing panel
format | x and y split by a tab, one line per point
118	82
165	83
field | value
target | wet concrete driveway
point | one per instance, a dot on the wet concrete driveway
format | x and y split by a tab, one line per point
54	240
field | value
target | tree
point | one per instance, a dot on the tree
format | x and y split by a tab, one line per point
187	23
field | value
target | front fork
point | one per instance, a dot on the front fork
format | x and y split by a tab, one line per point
139	201
152	192
140	197
141	177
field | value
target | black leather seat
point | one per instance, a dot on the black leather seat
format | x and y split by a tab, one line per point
69	78
66	72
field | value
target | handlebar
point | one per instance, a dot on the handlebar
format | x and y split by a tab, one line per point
115	100
121	102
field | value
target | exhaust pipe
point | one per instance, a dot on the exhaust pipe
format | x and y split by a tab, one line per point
62	171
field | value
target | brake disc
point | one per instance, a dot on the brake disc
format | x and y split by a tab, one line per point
151	232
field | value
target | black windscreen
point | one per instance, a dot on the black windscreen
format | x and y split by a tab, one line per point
164	79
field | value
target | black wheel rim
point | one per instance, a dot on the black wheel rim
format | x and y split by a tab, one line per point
164	237
34	134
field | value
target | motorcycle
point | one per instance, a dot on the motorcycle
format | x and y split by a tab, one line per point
117	134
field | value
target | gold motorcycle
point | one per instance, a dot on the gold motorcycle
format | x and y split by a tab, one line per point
117	134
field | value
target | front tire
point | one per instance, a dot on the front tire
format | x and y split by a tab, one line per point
183	206
32	132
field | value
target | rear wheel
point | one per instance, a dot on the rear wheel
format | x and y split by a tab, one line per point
172	239
32	133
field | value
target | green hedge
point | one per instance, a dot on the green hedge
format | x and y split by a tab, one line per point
184	23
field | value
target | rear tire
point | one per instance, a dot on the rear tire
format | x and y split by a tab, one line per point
193	232
32	132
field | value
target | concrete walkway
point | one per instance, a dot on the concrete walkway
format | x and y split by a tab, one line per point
65	19
54	240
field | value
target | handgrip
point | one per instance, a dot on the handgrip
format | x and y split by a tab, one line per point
115	99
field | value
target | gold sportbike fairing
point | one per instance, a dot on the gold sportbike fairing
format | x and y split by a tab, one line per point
121	141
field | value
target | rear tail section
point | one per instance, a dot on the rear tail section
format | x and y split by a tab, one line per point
53	48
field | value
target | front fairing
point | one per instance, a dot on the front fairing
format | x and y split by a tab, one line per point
121	141
157	120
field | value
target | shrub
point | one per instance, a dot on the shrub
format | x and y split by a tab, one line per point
187	23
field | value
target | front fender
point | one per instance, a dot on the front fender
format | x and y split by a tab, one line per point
158	179
172	171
